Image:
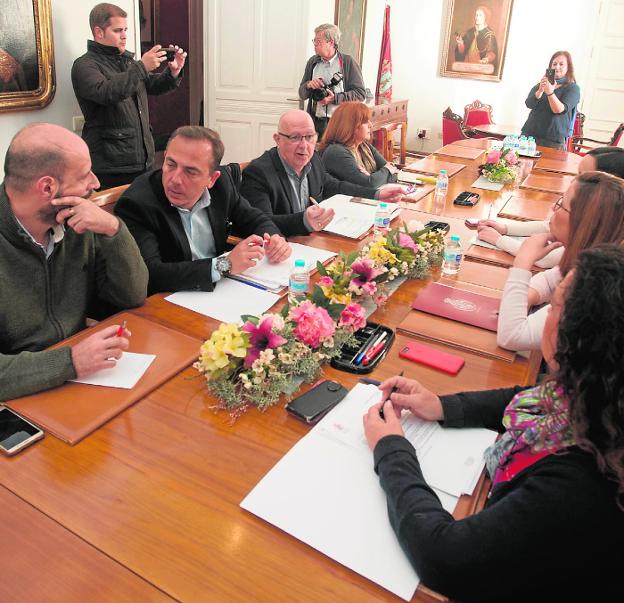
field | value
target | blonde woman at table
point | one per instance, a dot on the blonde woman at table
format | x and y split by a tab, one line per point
553	525
553	104
590	212
346	152
499	234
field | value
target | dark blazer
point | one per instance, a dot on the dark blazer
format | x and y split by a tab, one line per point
266	185
158	230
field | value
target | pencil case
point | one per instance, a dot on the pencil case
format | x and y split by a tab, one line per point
347	360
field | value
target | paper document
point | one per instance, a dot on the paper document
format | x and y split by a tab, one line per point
485	184
325	492
277	275
125	374
228	302
480	243
354	220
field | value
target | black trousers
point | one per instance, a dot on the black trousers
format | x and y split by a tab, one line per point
320	123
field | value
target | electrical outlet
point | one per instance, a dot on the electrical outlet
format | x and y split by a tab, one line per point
77	123
424	133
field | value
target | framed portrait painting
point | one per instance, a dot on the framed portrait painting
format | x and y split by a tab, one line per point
26	55
475	39
350	16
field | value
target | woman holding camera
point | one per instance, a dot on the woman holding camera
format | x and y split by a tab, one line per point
346	152
553	526
553	103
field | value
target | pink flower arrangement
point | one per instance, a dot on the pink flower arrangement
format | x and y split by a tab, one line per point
494	156
406	241
314	324
352	317
261	337
511	158
326	281
364	271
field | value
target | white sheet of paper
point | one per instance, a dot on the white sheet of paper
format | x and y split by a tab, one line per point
485	184
228	302
353	219
278	274
324	491
125	374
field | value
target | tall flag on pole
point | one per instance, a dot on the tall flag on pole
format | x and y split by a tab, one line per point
384	75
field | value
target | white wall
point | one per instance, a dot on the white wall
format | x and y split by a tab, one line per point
70	26
537	30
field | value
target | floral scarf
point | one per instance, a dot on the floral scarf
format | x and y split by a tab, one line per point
537	422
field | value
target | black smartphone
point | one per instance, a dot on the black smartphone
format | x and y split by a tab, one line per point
467	198
316	402
550	74
171	52
15	432
443	226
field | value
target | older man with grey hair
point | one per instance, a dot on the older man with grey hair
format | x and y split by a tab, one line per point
319	71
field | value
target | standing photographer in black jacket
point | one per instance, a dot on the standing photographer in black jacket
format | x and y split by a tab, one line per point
337	74
112	88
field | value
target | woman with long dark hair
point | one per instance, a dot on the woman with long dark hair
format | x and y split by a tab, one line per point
553	103
553	526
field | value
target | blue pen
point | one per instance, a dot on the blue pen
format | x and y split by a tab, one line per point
255	285
360	356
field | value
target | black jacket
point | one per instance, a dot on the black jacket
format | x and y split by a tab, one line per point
353	82
158	230
552	533
266	186
112	90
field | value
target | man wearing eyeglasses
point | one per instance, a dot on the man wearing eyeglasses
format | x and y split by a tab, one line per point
319	71
283	179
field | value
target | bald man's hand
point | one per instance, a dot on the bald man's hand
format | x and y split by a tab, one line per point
82	215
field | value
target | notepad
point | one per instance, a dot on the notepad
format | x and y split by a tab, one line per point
228	302
125	374
353	220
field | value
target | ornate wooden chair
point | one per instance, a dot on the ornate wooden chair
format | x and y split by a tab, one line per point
580	146
477	113
577	129
452	127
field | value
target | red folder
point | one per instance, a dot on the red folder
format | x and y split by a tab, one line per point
457	304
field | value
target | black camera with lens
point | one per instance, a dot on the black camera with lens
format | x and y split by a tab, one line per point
171	52
318	94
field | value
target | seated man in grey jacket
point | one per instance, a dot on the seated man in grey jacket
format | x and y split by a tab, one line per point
58	253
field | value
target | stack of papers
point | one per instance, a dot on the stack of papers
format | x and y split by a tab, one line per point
274	277
228	302
354	219
325	492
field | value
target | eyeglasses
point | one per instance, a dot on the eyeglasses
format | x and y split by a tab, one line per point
299	137
559	205
317	42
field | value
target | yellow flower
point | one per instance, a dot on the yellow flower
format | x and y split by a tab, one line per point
379	254
224	343
337	298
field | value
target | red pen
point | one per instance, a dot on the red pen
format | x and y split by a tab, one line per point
375	350
121	329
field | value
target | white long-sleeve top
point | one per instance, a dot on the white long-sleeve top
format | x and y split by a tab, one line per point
517	329
516	228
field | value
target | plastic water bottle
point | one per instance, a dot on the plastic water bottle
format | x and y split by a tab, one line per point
381	224
298	283
532	147
441	188
524	145
453	254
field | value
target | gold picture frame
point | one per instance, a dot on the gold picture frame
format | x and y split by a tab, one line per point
350	17
475	40
26	55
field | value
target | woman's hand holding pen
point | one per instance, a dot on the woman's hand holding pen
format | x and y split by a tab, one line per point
410	395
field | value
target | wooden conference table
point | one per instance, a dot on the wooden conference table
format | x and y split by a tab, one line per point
147	507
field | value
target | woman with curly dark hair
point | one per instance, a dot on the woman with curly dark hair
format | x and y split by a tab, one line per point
553	527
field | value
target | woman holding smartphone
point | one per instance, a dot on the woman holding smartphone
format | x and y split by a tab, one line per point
553	525
553	103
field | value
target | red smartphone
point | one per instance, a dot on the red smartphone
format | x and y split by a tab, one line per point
418	352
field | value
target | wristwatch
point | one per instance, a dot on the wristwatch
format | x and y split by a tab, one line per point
223	265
